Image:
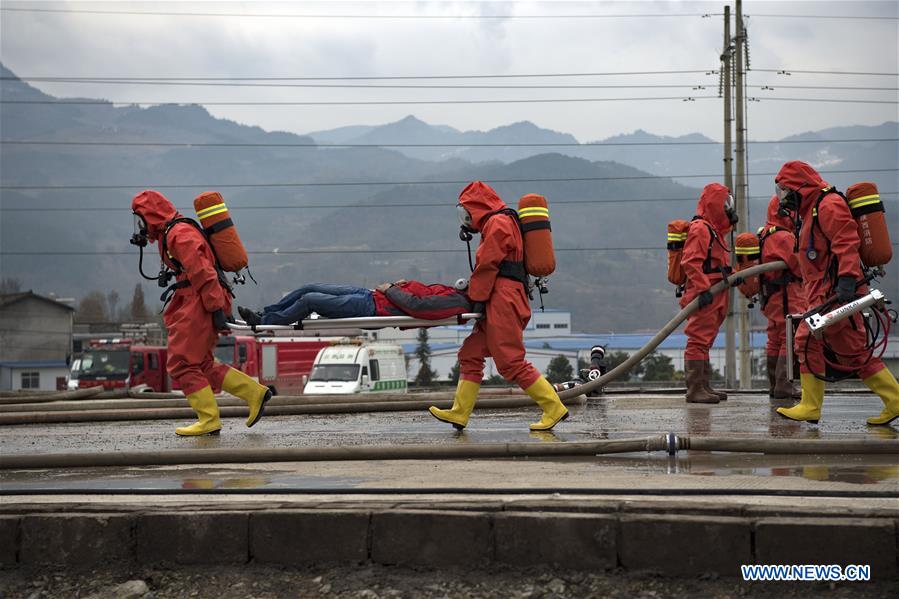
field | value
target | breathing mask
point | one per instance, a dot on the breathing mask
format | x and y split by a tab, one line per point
465	220
730	210
139	238
789	200
461	285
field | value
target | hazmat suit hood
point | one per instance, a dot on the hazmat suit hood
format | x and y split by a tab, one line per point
480	200
775	218
711	207
801	177
156	211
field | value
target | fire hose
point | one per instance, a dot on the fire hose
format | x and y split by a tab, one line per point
48	397
240	411
669	328
669	443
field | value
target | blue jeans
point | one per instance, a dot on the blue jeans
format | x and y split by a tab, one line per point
329	301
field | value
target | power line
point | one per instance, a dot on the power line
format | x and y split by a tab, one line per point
703	15
819	72
344	251
186	209
843	101
162	81
359	16
34	142
422	102
354	102
840	17
395	183
712	71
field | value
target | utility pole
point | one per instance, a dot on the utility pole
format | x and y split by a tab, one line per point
740	191
730	354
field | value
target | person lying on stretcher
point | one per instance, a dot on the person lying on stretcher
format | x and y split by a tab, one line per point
402	298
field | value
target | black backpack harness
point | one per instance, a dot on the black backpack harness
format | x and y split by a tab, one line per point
769	286
166	274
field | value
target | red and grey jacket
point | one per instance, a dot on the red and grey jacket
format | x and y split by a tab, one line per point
430	302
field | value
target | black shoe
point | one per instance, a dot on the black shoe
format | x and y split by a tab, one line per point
250	317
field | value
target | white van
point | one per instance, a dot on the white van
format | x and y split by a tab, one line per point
358	369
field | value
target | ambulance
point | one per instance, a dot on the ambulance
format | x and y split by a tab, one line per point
358	368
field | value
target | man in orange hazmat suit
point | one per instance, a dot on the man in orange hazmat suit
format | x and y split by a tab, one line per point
706	260
195	315
831	268
499	284
781	294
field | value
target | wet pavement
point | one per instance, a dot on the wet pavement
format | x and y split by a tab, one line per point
606	418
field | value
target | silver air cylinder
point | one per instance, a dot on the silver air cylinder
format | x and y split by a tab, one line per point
818	322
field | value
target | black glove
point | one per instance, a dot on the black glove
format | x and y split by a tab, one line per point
845	289
479	307
220	321
705	298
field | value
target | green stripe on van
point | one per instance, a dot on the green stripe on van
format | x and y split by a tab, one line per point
389	385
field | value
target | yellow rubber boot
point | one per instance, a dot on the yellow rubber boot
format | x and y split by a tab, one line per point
463	404
884	384
546	397
240	385
208	421
809	407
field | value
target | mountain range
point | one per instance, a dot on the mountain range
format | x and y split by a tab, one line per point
363	215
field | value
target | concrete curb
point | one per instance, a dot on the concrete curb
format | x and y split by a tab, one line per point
672	544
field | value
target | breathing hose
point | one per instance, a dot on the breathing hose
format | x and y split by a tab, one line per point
669	328
669	443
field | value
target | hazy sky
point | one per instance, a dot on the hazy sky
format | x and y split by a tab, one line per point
88	44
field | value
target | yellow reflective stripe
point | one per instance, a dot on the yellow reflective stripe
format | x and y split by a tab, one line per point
747	250
864	201
676	236
535	211
212	210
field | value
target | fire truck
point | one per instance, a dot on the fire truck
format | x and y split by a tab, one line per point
120	363
282	364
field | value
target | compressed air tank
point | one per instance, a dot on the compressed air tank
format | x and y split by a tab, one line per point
216	222
748	253
677	237
868	211
539	257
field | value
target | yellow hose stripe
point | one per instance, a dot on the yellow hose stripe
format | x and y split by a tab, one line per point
216	209
207	214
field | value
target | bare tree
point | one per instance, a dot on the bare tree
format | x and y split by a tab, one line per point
10	285
92	308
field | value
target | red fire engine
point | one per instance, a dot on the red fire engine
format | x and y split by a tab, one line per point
281	363
119	363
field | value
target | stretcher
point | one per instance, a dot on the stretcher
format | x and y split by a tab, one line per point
366	322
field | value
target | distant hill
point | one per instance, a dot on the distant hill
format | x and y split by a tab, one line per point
675	160
303	203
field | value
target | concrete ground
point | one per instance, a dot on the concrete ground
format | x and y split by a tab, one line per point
610	417
697	514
